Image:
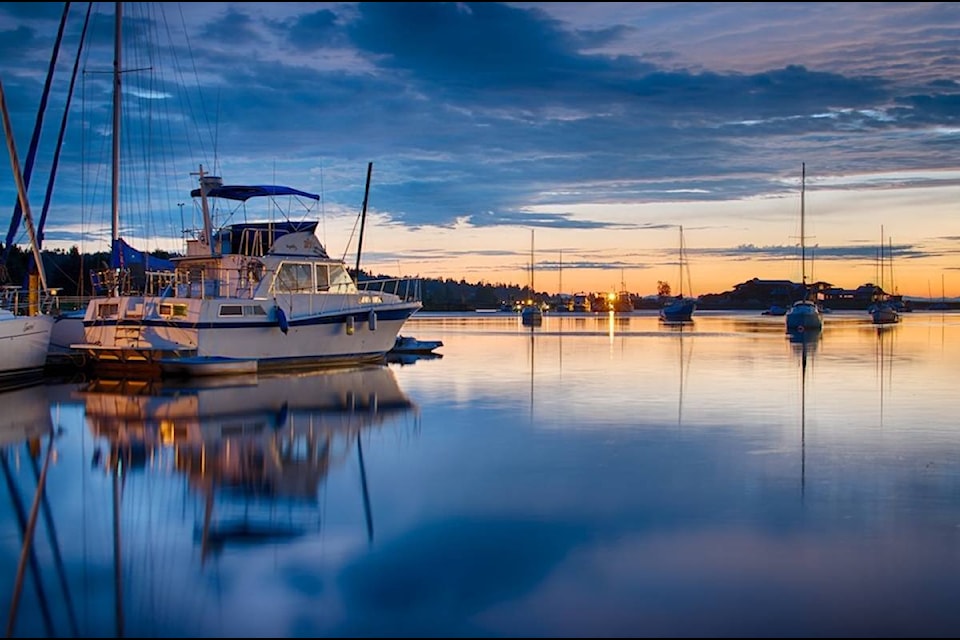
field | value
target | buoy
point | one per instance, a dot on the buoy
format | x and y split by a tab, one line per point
349	325
372	320
282	320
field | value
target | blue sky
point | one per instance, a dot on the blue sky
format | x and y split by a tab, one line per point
600	126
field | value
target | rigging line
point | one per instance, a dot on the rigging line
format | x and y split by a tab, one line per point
26	551
63	127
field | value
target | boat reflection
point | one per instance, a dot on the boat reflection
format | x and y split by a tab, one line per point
884	360
804	345
255	449
25	417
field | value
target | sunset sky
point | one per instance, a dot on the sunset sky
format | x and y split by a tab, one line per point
588	132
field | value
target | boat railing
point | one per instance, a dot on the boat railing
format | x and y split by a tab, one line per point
408	288
183	284
21	302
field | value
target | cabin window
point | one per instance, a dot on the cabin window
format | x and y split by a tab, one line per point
340	280
294	278
107	310
168	309
228	310
254	310
323	278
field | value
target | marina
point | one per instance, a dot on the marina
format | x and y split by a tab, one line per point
604	475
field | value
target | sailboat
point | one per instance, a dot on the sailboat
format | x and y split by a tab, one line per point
24	330
804	314
883	310
531	315
680	309
260	292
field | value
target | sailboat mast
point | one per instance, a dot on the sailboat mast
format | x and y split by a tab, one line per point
115	207
531	262
803	246
880	261
681	261
21	189
893	288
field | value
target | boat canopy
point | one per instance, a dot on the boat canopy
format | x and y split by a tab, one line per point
245	192
256	238
123	256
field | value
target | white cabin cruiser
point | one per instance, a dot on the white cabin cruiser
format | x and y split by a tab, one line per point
262	291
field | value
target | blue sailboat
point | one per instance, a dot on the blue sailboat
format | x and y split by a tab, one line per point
681	308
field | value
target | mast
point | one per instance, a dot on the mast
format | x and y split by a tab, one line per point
115	208
880	265
206	184
803	249
560	284
363	216
681	261
531	263
21	188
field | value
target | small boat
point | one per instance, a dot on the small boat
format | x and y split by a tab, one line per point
804	314
774	310
531	315
884	310
680	309
409	344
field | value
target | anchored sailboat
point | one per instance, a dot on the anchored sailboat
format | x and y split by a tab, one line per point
680	309
531	314
804	314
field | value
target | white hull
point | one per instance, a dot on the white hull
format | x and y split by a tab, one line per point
141	333
24	341
67	330
885	314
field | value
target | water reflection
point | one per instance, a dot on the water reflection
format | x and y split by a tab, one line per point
804	345
26	436
25	417
246	444
252	452
884	360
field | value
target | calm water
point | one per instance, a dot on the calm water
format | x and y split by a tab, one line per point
595	476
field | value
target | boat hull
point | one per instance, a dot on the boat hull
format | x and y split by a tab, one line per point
24	341
142	333
804	315
884	314
680	311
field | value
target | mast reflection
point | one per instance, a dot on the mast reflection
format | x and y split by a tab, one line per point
255	449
